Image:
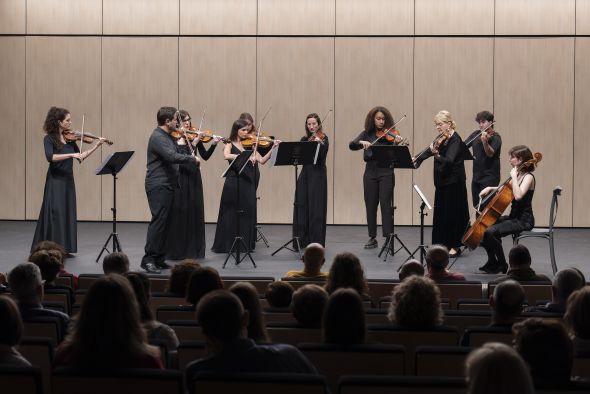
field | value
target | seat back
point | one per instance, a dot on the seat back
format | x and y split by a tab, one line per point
533	291
160	299
581	367
278	317
187	330
60	296
554	206
258	383
380	289
21	380
294	335
43	327
158	283
39	352
401	385
189	351
299	282
455	290
441	360
65	280
463	319
477	336
260	283
86	280
169	312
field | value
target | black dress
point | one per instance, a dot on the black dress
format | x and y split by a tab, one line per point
57	219
312	200
230	203
186	235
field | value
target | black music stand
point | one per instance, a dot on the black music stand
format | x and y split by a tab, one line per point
237	167
295	154
422	247
392	156
112	165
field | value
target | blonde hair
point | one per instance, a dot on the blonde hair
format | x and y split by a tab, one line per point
445	117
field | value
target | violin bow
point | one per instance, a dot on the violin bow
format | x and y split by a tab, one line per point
389	129
82	134
321	125
183	130
258	131
202	119
471	141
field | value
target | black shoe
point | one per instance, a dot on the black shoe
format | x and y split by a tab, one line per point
150	268
162	265
496	269
489	264
371	243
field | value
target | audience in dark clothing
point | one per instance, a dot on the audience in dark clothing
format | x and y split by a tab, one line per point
279	294
344	318
202	281
415	304
308	305
577	321
437	260
115	263
248	296
411	267
180	275
566	281
519	267
506	303
11	330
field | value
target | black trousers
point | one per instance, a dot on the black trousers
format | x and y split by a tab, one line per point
160	199
378	186
478	186
492	237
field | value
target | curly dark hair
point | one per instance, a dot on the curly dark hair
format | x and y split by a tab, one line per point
415	303
51	125
180	275
347	271
370	119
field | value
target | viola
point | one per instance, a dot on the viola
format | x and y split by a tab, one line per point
204	135
319	134
75	135
251	139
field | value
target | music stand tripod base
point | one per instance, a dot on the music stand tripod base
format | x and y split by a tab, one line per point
388	246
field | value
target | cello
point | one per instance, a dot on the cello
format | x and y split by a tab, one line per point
498	202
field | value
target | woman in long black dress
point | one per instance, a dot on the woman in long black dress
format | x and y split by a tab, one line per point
312	189
231	202
57	219
186	238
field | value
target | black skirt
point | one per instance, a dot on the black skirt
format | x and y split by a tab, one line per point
312	199
451	215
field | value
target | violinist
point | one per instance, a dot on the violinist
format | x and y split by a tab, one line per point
312	189
186	235
246	201
486	147
161	181
451	212
57	218
521	215
377	182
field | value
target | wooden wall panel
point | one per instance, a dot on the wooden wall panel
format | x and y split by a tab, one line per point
295	77
454	17
140	75
582	17
13	16
370	72
581	142
64	17
12	129
205	66
218	17
446	79
302	17
157	17
532	17
534	98
70	80
375	17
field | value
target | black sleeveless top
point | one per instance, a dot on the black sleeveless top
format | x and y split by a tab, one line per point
523	209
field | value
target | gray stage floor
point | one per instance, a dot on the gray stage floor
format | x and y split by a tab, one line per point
572	249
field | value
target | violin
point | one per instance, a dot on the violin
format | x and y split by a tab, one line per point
317	134
75	135
204	135
251	139
393	136
441	139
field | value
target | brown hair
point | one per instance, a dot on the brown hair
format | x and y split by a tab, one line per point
202	281
248	295
51	124
577	318
523	153
344	318
347	271
180	275
11	329
415	303
308	305
48	263
279	294
370	119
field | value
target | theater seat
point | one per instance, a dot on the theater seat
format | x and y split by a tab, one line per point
271	383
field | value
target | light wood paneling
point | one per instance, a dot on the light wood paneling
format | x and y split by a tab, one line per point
295	77
582	17
534	98
446	79
218	17
219	74
12	16
370	72
12	130
531	17
64	17
581	181
375	17
454	17
157	17
302	17
63	72
140	75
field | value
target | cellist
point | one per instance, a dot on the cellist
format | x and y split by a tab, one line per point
521	215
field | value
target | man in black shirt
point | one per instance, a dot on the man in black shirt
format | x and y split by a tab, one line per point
160	181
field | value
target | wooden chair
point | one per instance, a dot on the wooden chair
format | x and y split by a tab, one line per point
446	361
21	380
401	385
39	352
160	299
259	282
453	290
86	280
189	351
171	312
158	283
299	282
63	279
259	383
581	367
61	296
533	291
292	334
463	319
477	336
187	330
43	327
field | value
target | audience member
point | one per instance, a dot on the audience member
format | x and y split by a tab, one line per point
347	271
224	321
279	294
180	274
202	281
497	368
308	305
11	330
577	321
248	295
565	282
3	283
60	251
50	266
107	334
411	267
437	260
506	303
415	304
27	286
344	318
155	330
546	348
115	263
519	261
313	259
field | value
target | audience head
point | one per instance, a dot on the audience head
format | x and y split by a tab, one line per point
140	283
497	368
346	271
48	262
437	258
180	275
222	317
313	257
51	245
344	318
202	281
519	256
115	263
566	281
308	305
11	324
546	348
26	283
248	295
577	316
415	303
279	294
506	302
411	267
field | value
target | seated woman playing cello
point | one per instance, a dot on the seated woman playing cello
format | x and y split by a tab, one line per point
521	215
